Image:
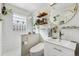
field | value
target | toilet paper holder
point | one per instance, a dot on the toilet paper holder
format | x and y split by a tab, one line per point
24	42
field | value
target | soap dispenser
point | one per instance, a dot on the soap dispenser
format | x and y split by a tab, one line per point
55	32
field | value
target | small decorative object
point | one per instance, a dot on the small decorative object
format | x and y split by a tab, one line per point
41	22
55	17
44	20
55	29
61	22
55	32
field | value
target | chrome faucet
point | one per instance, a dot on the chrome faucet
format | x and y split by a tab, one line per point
60	34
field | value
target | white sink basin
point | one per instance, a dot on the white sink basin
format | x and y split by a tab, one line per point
64	43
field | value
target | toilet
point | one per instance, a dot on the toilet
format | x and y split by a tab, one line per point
37	50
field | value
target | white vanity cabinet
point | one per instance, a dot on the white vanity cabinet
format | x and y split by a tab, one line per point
51	49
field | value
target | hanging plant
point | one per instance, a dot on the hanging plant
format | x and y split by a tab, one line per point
4	11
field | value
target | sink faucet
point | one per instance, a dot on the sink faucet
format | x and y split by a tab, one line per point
60	34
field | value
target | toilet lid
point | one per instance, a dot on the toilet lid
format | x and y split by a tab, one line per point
37	48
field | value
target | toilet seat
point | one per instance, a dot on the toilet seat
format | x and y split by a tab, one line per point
37	48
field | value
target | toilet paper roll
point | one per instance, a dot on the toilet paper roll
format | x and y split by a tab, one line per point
25	42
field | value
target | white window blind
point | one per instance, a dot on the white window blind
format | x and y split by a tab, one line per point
19	22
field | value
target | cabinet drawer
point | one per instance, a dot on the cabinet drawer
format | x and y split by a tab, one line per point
56	50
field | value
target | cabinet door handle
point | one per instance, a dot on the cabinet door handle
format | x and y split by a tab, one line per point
58	49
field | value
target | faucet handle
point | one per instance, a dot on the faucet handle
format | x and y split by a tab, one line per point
60	34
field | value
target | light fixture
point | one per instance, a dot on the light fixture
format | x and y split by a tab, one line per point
52	4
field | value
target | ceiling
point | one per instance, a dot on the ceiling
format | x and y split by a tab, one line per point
31	7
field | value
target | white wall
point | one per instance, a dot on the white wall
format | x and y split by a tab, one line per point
11	40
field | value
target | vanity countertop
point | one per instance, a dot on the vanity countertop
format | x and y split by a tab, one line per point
64	43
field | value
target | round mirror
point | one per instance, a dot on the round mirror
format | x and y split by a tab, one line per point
62	13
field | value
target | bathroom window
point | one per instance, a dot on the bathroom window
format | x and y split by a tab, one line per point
19	22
